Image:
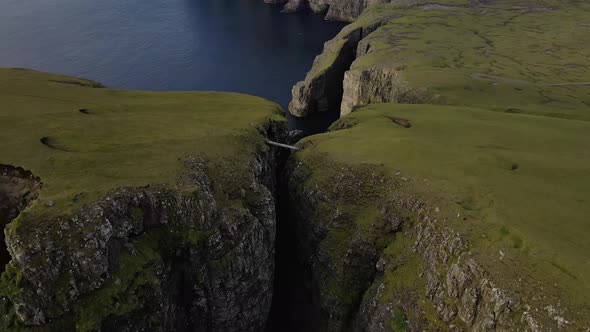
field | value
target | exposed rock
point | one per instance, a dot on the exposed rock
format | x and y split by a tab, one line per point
317	6
454	289
18	188
374	314
294	6
322	89
336	276
464	290
456	286
336	10
376	85
155	258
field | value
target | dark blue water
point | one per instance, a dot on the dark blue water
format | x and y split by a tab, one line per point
228	45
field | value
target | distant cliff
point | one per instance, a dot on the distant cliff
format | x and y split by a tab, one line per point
337	10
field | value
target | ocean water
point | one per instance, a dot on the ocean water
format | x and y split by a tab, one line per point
224	45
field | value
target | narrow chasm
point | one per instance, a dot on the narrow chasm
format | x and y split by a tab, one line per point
293	307
18	187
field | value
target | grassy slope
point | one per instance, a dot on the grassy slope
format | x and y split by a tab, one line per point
128	138
521	179
467	156
507	58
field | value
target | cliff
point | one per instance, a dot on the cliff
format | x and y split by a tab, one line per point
446	197
426	217
336	10
138	210
410	54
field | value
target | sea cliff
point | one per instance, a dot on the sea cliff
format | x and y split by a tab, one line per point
445	197
133	211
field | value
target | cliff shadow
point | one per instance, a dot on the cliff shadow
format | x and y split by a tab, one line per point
294	305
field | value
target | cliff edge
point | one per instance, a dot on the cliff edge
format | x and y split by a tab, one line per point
448	196
135	210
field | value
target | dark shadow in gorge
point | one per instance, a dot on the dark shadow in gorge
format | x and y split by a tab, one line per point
18	187
293	306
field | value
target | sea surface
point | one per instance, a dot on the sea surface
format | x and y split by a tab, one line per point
224	45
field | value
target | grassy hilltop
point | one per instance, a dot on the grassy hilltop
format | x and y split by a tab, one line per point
80	139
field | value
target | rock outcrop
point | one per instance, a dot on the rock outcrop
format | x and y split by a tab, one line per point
215	271
338	260
336	10
322	88
18	187
376	257
377	85
152	258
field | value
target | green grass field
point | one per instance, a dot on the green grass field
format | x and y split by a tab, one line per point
120	138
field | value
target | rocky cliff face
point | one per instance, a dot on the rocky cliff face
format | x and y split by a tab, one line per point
351	87
377	85
338	260
337	10
152	258
322	88
389	63
346	264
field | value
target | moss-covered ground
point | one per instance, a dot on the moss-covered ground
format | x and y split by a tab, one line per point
500	146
